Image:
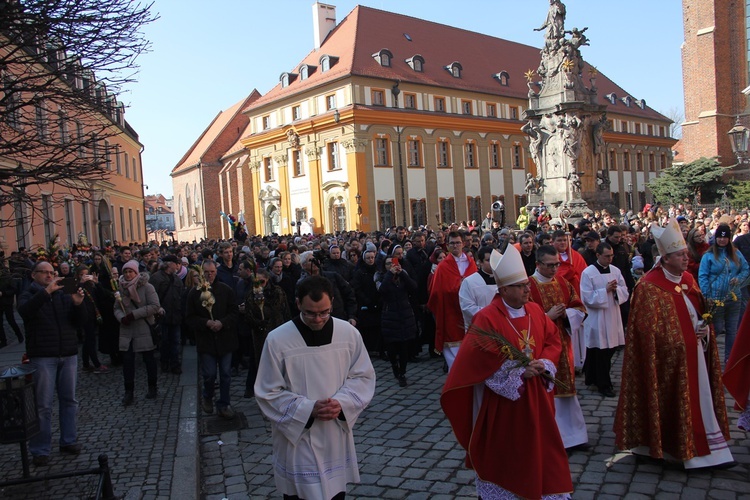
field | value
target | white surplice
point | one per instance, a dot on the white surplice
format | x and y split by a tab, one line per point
314	463
603	327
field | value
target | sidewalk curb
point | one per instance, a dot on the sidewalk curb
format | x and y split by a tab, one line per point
186	468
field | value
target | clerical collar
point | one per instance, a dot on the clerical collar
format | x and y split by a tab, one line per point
513	312
542	279
674	278
489	279
314	338
564	256
602	269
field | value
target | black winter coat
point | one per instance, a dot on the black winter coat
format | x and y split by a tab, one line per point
169	288
224	310
50	322
398	323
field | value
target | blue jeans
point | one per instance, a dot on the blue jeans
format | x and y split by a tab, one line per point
51	374
208	367
726	320
170	345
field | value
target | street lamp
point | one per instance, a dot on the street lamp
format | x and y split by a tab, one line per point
739	136
395	92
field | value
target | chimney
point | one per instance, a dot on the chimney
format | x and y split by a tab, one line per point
324	20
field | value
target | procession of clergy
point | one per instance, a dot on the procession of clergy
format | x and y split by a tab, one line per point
513	344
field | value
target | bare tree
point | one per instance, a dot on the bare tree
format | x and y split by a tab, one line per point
62	64
675	114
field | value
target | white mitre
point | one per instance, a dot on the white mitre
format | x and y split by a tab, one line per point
669	238
508	268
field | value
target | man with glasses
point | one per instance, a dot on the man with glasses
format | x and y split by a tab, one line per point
443	301
314	380
559	300
603	289
571	262
478	289
672	398
50	318
500	409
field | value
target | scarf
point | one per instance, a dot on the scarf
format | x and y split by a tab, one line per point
131	287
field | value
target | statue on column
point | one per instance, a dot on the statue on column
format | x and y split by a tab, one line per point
555	22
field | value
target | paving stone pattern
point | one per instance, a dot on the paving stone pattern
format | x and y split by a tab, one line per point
406	449
139	440
405	446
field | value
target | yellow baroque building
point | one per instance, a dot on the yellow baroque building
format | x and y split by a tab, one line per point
392	120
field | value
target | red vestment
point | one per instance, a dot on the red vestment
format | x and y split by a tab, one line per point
572	269
443	301
559	291
737	373
659	403
513	444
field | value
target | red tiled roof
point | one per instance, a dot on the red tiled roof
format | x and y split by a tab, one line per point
212	132
365	31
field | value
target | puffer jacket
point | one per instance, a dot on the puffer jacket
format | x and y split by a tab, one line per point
715	274
50	322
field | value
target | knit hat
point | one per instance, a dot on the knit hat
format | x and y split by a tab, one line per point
132	265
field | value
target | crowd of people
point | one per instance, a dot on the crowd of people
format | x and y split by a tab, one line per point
516	315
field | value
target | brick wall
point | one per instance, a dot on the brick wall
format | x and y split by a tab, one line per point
714	65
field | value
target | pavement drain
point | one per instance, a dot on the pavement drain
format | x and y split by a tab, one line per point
215	424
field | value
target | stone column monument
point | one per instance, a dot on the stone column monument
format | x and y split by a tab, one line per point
565	125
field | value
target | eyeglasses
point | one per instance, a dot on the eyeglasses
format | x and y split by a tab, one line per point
552	265
314	315
526	285
455	242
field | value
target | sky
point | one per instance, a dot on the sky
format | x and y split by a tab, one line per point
206	56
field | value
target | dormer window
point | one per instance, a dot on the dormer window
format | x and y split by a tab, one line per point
305	71
327	62
503	78
612	98
286	79
383	57
455	69
627	100
641	103
416	62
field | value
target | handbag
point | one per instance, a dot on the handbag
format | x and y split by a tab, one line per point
155	329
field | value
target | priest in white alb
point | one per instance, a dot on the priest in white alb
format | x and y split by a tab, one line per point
314	380
603	289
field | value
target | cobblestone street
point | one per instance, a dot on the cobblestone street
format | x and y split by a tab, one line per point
405	446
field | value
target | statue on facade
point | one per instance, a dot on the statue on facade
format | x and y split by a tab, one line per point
572	138
292	138
534	185
597	130
536	135
574	178
602	180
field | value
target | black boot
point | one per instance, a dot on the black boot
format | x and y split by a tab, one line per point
127	400
151	392
396	371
